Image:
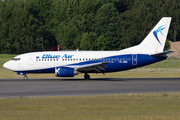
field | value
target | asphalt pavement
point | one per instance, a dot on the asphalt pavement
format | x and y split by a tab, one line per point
80	87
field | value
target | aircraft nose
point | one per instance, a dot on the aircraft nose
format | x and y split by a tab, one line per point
7	65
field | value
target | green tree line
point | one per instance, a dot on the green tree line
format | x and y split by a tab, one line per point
27	25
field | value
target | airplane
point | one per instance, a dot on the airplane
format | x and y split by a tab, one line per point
71	63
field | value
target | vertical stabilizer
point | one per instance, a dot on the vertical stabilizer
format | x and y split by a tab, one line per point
155	40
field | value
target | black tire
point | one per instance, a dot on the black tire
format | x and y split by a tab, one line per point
86	77
25	78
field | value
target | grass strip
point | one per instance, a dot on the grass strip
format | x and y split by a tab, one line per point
156	106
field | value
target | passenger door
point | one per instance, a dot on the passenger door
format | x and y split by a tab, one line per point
134	59
30	60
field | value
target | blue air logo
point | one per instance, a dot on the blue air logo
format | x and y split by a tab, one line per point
59	71
67	56
50	56
156	33
56	56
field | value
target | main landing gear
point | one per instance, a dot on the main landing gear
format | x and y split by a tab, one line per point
25	77
86	76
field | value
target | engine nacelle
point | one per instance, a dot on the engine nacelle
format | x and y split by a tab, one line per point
65	72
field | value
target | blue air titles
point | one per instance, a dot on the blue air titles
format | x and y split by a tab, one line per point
56	56
50	56
67	56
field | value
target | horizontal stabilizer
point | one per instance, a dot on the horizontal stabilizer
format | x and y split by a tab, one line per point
162	53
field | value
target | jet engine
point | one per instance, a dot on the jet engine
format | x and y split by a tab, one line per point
65	72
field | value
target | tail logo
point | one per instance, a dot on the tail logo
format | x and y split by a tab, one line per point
156	33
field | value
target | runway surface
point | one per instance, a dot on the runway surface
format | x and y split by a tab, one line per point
78	86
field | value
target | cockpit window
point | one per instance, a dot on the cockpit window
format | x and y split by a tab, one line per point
16	59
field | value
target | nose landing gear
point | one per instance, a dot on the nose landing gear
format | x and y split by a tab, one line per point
86	76
22	73
25	77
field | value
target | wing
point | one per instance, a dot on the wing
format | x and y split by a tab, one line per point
98	67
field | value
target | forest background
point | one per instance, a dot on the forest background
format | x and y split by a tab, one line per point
27	25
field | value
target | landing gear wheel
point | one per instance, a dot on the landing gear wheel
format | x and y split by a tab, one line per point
86	77
25	78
